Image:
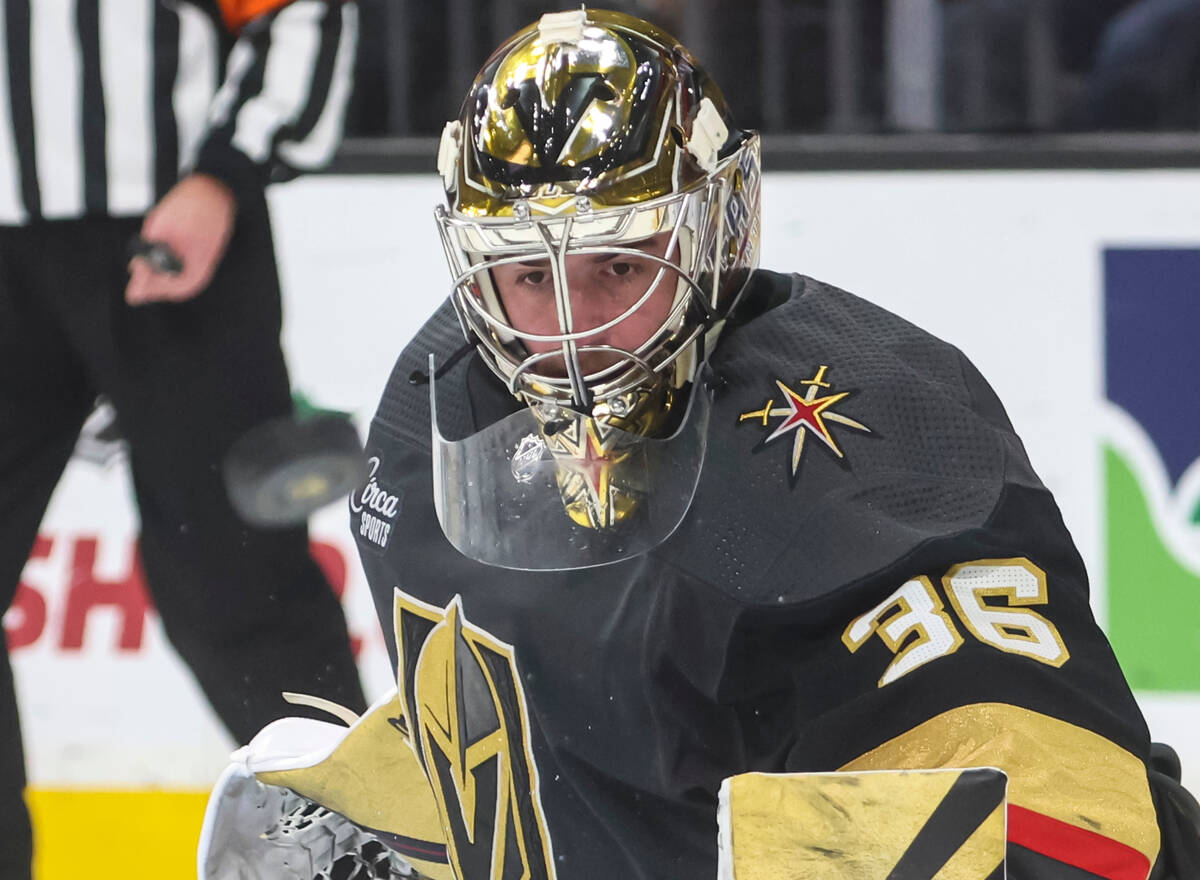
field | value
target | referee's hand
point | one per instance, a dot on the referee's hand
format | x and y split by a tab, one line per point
195	220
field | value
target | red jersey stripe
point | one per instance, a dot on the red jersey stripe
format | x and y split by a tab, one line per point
1076	846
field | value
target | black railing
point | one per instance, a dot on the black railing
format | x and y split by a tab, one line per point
825	66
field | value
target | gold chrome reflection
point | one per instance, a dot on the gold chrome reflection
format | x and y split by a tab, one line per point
589	451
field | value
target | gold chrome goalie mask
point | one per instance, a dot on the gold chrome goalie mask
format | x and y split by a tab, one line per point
592	142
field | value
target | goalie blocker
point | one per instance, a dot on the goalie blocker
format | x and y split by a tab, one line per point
870	825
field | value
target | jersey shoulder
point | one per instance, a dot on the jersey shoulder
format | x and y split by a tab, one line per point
843	437
403	411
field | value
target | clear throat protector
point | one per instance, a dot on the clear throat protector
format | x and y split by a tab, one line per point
550	488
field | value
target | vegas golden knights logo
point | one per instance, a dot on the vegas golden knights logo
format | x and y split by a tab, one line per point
465	712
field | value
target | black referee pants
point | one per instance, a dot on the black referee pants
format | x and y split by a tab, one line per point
247	609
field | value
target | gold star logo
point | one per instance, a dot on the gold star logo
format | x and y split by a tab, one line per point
805	414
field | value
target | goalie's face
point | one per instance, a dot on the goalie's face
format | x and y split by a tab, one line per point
625	298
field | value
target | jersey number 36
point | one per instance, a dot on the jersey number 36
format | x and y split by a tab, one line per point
916	608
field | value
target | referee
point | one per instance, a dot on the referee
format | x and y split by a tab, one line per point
164	119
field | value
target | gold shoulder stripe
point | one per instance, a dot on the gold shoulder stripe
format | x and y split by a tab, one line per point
1054	768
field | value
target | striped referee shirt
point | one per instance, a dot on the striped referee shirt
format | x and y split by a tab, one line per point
104	104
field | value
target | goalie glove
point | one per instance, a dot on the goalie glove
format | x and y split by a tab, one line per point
311	800
253	830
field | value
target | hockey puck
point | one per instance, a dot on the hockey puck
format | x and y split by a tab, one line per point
280	472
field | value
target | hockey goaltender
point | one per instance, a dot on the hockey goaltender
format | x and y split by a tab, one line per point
705	548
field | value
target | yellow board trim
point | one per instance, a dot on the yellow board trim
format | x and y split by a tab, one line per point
115	835
1054	768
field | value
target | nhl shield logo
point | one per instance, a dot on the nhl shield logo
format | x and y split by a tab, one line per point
811	412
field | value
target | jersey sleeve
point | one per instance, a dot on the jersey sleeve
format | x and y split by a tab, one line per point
981	650
288	79
920	602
